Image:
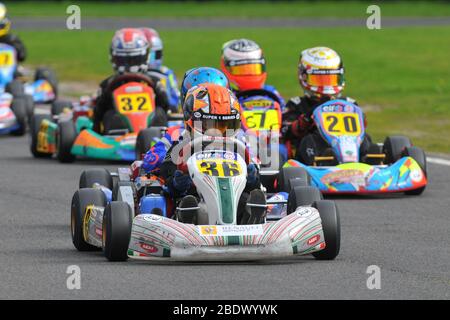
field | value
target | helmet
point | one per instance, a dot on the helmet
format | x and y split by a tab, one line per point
210	109
196	76
321	73
129	50
156	48
5	24
244	64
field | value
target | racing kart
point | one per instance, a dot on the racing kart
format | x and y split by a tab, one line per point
17	98
129	218
351	163
68	132
261	122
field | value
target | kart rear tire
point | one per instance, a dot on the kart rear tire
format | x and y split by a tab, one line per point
144	140
49	75
302	196
35	124
19	108
16	88
394	147
58	106
80	200
65	136
329	214
117	223
290	177
159	118
419	155
98	175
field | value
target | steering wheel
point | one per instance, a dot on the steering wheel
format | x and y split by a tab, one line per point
258	92
129	77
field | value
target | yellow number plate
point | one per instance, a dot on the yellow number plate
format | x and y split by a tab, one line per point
340	124
263	119
137	102
219	167
6	59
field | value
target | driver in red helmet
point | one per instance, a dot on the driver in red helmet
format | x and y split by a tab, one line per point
128	54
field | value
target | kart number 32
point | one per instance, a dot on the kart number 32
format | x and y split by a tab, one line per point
219	167
130	103
339	124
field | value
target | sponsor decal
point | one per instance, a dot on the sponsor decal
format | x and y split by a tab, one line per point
352	176
231	230
152	218
98	231
313	240
148	247
416	175
132	89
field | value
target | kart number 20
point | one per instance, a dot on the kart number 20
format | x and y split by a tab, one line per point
219	168
342	124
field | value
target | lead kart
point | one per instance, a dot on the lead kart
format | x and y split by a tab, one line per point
352	164
68	132
17	98
131	223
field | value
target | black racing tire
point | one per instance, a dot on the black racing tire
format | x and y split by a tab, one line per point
290	177
80	200
65	137
16	88
419	155
58	106
19	108
117	223
329	214
35	124
302	196
49	75
29	102
144	140
160	118
394	146
97	175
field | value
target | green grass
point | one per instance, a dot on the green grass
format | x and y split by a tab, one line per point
237	9
402	75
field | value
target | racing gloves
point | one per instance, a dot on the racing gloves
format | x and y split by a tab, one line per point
181	182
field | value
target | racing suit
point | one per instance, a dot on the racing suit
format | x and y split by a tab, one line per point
15	42
104	101
168	80
297	129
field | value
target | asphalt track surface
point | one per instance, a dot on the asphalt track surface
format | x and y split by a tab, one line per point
59	23
407	237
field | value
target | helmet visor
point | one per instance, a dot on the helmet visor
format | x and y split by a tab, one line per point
220	128
253	69
128	61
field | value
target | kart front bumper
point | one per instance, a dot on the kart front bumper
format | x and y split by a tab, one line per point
158	238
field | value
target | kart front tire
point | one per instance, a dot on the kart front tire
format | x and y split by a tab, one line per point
419	155
302	196
117	221
65	136
19	108
35	125
58	107
98	175
291	177
329	214
16	88
145	139
394	147
80	200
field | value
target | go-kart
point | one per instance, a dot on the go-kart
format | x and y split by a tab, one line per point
351	163
16	98
69	131
261	120
132	220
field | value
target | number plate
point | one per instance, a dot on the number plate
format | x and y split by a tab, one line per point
262	119
219	167
6	59
341	123
136	102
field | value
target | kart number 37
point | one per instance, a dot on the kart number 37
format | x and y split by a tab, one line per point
219	167
6	59
130	103
339	124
